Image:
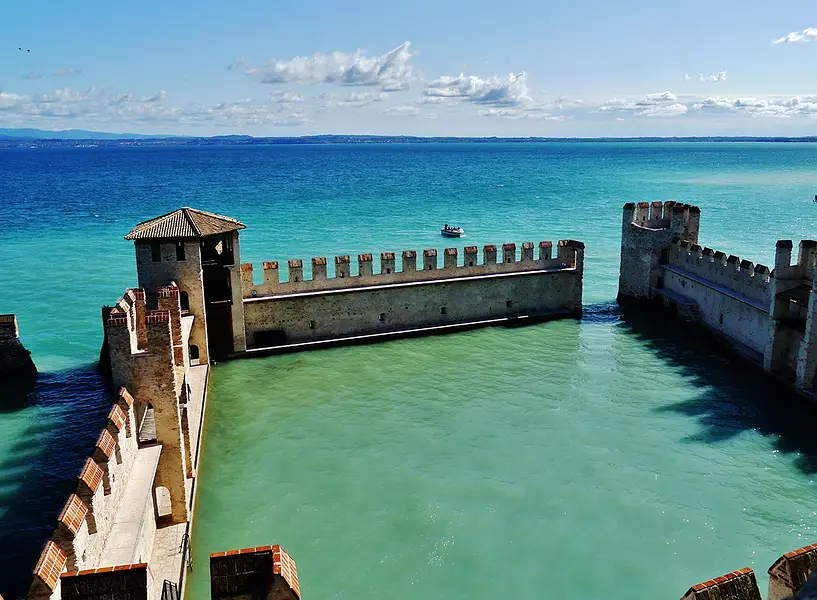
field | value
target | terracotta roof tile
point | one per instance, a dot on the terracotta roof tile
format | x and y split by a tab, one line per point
117	417
125	395
73	513
283	565
91	474
51	563
106	443
184	223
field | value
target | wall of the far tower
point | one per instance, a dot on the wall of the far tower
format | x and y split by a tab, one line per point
158	263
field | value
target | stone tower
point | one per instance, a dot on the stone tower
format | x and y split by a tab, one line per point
646	235
199	251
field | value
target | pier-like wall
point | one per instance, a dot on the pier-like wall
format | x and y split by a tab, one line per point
733	296
414	297
768	315
15	360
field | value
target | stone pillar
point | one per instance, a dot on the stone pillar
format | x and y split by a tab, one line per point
247	279
15	360
429	260
343	268
271	278
264	572
789	572
319	268
509	253
409	261
158	386
450	258
807	359
237	297
471	258
387	263
738	585
489	255
545	250
527	252
295	270
365	266
774	356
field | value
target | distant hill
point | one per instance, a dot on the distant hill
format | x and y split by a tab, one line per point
71	134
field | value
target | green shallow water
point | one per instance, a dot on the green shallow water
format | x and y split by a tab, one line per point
601	459
570	459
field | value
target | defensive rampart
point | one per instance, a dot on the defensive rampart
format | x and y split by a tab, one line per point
767	315
15	360
124	526
461	292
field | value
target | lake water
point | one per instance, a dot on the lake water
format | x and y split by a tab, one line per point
611	457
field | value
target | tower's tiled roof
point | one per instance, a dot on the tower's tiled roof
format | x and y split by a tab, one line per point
184	223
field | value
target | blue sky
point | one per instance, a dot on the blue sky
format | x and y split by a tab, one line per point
513	68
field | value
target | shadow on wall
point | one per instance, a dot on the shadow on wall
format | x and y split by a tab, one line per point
735	396
53	424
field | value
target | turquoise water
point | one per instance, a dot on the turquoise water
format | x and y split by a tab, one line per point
603	458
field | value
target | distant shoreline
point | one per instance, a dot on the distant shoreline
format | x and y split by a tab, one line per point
108	140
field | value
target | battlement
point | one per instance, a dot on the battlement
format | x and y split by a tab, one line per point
741	276
96	511
803	267
683	219
569	256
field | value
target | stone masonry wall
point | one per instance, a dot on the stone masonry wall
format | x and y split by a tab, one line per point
15	360
364	309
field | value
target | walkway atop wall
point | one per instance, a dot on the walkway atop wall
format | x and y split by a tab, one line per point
122	547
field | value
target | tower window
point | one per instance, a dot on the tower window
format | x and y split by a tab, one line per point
179	250
509	304
382	316
443	310
312	324
156	251
184	301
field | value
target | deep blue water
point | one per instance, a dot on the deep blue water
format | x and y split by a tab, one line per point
62	257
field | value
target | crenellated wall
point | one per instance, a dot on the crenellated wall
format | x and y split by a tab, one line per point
93	530
461	291
768	315
294	281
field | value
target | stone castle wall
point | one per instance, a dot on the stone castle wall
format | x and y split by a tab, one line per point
15	360
768	315
467	291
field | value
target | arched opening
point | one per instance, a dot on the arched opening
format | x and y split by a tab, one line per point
184	301
194	354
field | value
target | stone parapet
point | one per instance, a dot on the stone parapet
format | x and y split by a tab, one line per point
15	359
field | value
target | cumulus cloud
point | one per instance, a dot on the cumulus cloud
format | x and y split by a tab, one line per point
721	76
94	106
795	106
403	110
808	34
664	104
67	73
391	71
509	90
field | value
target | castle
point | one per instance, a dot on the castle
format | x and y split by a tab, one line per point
125	531
766	316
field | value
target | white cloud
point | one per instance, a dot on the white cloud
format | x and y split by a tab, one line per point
795	106
808	34
32	75
687	77
664	104
403	110
94	106
67	73
509	90
391	71
534	114
721	76
668	110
